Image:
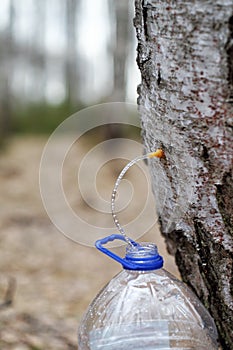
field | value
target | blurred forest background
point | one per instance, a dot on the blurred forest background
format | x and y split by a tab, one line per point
58	56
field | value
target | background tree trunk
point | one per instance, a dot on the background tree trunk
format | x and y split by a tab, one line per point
185	55
5	90
71	74
38	61
120	47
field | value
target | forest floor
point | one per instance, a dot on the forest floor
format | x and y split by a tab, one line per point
46	280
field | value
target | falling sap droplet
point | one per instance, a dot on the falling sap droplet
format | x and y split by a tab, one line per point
159	153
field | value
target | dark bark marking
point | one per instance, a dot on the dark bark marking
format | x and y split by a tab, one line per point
144	15
205	153
229	51
159	77
225	201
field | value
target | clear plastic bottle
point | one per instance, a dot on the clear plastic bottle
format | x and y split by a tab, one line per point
145	308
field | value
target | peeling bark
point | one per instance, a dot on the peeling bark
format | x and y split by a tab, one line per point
185	55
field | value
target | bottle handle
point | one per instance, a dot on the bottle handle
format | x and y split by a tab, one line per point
126	264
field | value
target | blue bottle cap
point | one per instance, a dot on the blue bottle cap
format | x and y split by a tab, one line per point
140	257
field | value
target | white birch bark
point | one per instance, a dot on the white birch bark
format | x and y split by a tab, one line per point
185	55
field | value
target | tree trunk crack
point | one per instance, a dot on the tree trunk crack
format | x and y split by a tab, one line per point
229	51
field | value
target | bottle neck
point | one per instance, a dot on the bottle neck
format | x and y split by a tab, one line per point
144	257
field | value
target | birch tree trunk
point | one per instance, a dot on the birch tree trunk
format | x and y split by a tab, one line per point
185	55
